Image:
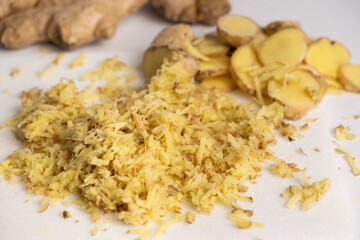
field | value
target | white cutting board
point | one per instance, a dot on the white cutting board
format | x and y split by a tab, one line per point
328	220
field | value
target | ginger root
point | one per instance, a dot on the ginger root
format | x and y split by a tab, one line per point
66	23
192	11
168	45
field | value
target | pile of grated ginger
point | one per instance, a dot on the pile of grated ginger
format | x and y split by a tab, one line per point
144	153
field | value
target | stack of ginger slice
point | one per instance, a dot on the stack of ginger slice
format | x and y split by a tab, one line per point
278	62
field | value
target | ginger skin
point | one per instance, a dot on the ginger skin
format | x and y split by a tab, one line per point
66	23
192	11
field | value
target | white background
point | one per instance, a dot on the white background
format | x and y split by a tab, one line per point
339	20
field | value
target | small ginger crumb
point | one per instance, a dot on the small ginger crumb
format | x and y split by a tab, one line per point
52	66
79	61
288	130
316	149
14	73
340	148
311	120
66	214
44	205
6	91
342	133
357	116
26	201
241	218
283	169
304	127
351	161
76	221
302	151
189	217
104	229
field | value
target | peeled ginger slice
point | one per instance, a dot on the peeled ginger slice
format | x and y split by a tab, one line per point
216	66
237	30
276	26
287	46
350	77
327	56
299	96
222	84
243	61
211	46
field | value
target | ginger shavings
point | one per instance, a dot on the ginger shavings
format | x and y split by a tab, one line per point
14	74
79	61
52	66
283	169
307	195
342	133
241	218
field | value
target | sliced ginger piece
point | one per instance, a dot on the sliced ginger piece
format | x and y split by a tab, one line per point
287	46
211	46
222	84
327	56
333	86
237	30
243	60
350	77
276	26
299	96
215	67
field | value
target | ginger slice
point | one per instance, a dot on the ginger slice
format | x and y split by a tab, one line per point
350	77
299	96
211	46
333	86
287	46
276	26
327	56
222	84
237	30
243	60
215	67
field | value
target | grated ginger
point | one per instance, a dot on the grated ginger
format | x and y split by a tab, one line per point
342	133
241	218
283	169
52	66
142	154
79	61
306	194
